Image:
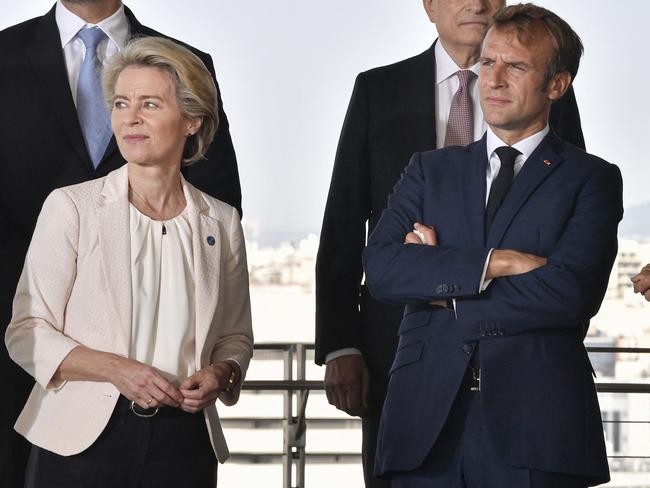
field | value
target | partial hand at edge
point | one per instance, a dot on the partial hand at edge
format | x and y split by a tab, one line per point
346	383
641	282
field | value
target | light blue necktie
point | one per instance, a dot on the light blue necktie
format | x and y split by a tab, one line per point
91	110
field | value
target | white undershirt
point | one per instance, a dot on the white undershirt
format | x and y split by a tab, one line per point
163	322
116	27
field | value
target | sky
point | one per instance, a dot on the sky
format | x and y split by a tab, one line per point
286	70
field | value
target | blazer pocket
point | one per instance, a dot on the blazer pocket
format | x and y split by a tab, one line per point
414	320
407	354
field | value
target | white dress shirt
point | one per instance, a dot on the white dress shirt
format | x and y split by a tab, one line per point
446	86
116	28
162	279
525	147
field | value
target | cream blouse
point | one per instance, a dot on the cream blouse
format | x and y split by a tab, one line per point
162	278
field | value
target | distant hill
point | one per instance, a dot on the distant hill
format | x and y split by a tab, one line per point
636	221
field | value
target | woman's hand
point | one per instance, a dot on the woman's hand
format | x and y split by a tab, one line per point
202	388
144	384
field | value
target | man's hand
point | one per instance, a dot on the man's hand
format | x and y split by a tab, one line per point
506	262
422	234
346	383
642	282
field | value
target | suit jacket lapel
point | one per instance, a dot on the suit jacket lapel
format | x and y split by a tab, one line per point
115	248
471	182
418	98
206	247
46	56
541	163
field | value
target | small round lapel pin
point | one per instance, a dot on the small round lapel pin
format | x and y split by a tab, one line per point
211	240
547	162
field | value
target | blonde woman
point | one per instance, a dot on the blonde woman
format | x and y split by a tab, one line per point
132	312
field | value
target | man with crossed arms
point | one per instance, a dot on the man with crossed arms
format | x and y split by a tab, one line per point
491	385
425	102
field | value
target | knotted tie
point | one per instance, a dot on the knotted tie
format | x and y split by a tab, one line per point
91	110
501	183
460	126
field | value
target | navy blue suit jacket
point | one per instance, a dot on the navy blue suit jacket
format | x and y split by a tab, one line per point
538	395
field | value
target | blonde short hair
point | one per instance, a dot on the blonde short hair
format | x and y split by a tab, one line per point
196	93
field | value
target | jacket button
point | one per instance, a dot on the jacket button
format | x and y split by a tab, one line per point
468	348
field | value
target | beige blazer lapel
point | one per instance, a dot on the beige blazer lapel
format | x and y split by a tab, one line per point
206	247
115	249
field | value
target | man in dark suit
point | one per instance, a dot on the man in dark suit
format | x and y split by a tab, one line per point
394	111
491	385
42	148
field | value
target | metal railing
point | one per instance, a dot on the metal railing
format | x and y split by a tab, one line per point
294	424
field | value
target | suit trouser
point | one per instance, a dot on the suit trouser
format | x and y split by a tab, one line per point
169	450
464	456
370	426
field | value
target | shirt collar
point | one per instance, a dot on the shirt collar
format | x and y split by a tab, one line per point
447	67
116	26
525	146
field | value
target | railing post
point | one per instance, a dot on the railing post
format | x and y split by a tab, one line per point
287	461
300	433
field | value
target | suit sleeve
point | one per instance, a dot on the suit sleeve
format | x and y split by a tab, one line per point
217	174
36	338
564	119
343	234
234	322
569	289
411	273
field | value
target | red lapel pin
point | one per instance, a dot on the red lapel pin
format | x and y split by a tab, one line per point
547	162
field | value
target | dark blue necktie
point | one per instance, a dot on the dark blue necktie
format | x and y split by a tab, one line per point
501	183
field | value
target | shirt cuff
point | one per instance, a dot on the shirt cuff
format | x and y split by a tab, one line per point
342	352
485	283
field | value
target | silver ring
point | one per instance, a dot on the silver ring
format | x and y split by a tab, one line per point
142	412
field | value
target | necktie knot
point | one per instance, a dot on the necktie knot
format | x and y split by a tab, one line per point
91	37
507	156
465	76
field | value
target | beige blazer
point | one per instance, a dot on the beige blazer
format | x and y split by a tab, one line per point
75	288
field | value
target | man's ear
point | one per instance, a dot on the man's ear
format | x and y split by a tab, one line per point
558	85
430	6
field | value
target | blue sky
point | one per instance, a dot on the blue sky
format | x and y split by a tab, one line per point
287	67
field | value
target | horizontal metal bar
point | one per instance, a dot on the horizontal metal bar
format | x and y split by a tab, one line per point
311	457
279	385
283	346
626	350
327	457
623	387
275	423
